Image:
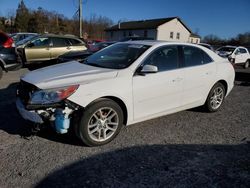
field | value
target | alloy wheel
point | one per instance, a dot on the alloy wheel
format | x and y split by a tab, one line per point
103	124
217	98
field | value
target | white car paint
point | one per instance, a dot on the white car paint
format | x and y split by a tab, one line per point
237	57
145	97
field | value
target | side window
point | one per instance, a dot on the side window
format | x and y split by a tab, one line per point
75	42
60	42
40	42
178	36
243	51
165	58
22	37
194	56
171	35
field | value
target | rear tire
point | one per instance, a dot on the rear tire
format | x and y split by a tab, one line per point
246	65
100	123
215	98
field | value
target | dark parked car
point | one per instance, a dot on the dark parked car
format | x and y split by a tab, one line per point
8	57
20	36
207	46
26	40
83	54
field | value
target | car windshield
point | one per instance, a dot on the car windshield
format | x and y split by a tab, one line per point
117	56
21	42
226	49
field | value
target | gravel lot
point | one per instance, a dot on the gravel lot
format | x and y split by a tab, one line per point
187	149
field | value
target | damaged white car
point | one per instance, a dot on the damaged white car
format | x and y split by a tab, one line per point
124	84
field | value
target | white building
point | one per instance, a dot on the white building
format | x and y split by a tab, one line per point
167	29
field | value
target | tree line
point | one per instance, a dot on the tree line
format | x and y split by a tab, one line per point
239	40
43	21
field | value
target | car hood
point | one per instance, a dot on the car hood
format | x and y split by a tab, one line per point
65	74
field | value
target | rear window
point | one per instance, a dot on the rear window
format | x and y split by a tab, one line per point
194	56
75	42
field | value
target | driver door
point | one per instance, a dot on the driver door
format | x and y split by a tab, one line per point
38	50
156	93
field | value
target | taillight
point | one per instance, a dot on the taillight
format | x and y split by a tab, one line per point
9	43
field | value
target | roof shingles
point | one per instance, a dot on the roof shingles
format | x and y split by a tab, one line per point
142	24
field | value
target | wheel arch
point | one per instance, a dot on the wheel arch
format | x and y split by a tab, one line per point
224	83
119	102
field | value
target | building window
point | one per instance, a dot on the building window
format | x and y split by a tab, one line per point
197	41
178	36
145	33
192	40
111	34
171	35
130	33
124	34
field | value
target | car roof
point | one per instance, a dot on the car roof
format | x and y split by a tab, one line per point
201	43
158	43
59	36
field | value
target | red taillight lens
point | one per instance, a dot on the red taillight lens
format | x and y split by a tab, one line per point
8	43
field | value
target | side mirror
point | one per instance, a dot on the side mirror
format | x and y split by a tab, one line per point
149	69
30	45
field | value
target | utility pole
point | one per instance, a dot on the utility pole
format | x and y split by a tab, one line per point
80	18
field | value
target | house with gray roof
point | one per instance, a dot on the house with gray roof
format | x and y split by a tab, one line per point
167	29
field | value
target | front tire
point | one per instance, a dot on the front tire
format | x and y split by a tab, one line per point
246	65
100	123
215	97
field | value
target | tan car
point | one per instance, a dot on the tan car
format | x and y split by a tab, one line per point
48	47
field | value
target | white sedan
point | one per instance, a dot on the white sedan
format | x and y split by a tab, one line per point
124	84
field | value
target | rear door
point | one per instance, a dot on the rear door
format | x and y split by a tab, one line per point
59	46
199	73
38	50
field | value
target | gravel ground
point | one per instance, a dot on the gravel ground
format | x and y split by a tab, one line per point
187	149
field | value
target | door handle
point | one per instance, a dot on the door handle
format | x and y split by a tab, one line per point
177	79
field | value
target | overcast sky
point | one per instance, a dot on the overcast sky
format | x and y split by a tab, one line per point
224	18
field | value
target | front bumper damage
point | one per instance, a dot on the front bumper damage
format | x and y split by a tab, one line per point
56	115
28	115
